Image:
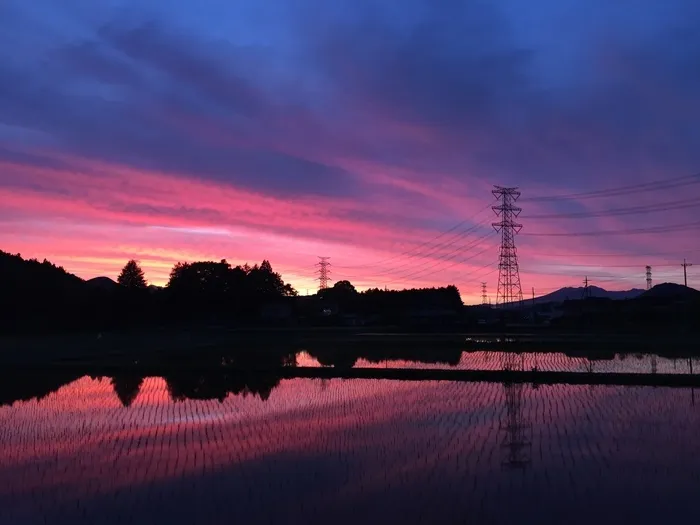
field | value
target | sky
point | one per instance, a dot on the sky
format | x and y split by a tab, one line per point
364	131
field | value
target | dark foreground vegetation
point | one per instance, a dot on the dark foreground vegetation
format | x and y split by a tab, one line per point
41	298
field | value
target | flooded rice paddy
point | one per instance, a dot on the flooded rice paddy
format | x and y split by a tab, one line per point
182	450
544	361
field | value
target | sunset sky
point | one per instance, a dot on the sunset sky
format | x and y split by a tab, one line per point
369	132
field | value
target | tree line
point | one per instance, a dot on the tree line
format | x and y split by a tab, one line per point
42	297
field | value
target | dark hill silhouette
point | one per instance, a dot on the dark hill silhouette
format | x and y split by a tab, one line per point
572	293
671	291
103	283
16	273
37	295
40	297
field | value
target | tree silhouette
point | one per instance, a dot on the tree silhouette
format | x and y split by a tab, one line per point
132	276
215	289
127	387
266	282
343	293
204	278
346	286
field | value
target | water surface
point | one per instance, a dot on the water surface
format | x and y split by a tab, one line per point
348	451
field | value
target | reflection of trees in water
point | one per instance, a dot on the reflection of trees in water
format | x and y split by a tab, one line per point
335	359
218	385
251	359
32	385
253	371
347	358
127	387
221	381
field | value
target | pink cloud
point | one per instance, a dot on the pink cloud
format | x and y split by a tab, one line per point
93	216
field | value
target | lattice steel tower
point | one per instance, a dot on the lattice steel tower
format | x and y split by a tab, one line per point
323	272
484	296
648	277
516	426
509	289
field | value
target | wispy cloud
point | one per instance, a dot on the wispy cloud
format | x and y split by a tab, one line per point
352	129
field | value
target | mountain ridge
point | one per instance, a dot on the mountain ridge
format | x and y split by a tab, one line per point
573	293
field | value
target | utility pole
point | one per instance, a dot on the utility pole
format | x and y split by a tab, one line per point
323	272
509	289
586	291
685	272
484	296
533	304
648	277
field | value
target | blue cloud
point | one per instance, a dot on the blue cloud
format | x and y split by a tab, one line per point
567	94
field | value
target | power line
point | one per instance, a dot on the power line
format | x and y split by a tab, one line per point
632	210
658	254
426	243
433	254
603	265
443	258
421	271
596	274
428	255
622	190
475	272
632	231
423	250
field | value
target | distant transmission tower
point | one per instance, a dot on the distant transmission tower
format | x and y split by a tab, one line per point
323	272
648	277
484	296
509	290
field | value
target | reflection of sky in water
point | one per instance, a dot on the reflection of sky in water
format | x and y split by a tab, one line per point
349	451
544	361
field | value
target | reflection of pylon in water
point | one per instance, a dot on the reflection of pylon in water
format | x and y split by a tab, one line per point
517	430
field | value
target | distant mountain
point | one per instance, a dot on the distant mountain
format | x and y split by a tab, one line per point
671	291
571	293
103	283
